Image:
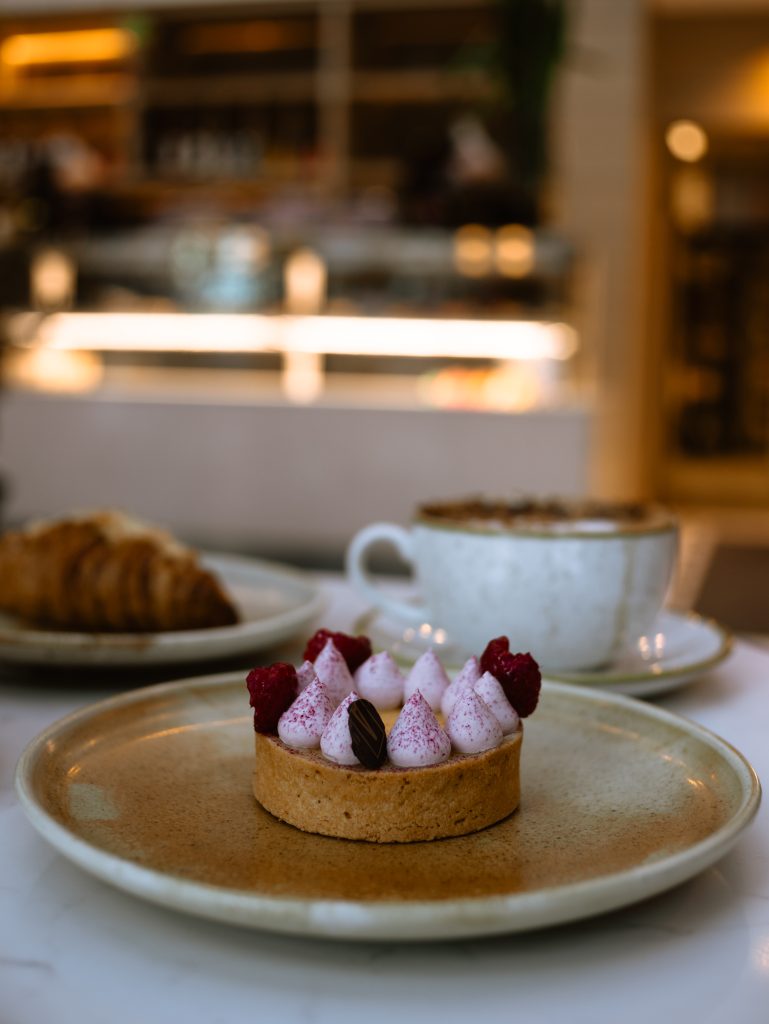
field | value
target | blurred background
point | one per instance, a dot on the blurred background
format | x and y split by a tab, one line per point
272	270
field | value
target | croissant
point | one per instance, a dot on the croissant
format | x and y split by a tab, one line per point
107	572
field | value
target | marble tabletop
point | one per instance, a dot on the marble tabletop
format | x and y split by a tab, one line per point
73	949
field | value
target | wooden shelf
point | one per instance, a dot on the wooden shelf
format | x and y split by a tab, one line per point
218	90
110	89
316	105
423	85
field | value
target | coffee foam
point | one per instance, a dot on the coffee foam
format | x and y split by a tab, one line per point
557	517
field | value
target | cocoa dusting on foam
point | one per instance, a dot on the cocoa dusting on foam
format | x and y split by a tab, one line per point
540	513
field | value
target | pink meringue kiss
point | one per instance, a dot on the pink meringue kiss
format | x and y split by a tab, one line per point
305	674
468	675
381	681
302	726
489	689
416	739
471	726
429	677
336	742
331	668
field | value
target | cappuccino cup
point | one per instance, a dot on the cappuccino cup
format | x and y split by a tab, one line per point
575	584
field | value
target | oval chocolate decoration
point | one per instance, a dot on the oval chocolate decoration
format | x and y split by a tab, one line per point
367	731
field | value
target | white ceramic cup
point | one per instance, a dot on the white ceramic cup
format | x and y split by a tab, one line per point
576	594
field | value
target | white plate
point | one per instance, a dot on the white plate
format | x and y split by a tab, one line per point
151	792
275	602
681	647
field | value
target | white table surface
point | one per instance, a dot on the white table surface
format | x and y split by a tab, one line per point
73	949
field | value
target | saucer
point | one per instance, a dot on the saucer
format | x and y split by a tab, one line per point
680	648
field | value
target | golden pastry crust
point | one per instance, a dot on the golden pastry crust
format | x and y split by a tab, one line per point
390	804
107	572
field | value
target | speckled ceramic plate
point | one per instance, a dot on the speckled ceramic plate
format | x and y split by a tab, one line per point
681	647
275	602
151	791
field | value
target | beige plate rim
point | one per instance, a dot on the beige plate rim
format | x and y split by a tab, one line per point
19	643
397	920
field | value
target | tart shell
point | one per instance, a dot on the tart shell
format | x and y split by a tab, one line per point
466	793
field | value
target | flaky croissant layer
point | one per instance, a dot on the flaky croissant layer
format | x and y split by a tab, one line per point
106	572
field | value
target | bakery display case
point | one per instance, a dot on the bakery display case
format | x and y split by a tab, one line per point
293	223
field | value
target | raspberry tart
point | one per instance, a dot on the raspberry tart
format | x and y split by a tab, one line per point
346	746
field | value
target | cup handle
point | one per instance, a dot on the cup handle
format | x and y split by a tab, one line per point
363	581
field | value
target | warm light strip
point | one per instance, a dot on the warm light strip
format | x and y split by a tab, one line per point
483	339
71	47
333	335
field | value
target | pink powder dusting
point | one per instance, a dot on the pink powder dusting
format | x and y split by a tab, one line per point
417	739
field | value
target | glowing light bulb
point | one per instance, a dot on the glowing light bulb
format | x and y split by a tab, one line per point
515	251
473	250
686	140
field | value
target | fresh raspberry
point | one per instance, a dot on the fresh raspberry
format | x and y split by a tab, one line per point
354	649
495	649
272	690
518	674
